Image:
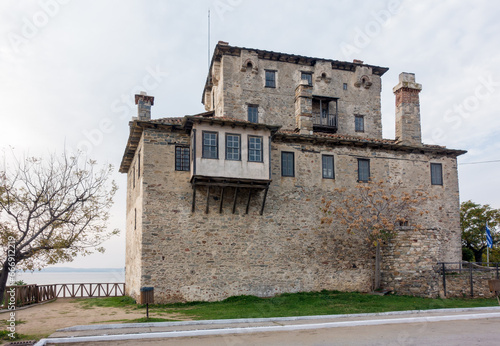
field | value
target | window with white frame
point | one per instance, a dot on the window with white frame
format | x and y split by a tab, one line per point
255	149
233	147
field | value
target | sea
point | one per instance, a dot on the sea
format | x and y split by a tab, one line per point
70	276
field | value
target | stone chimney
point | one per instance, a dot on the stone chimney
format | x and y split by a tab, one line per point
144	103
303	107
408	130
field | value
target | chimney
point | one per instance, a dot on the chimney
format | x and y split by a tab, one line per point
303	107
144	103
408	130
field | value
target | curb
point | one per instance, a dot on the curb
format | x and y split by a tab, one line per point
261	329
271	319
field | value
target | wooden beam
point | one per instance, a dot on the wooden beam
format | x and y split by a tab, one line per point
252	186
264	201
208	197
234	201
248	201
221	200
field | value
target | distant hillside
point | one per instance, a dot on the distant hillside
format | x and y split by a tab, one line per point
79	270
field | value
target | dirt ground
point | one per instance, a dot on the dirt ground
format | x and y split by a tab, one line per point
43	320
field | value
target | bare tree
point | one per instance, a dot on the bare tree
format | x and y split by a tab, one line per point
375	211
52	210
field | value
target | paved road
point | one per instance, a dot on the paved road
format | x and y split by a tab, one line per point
477	332
433	328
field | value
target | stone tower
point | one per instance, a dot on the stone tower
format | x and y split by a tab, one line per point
408	130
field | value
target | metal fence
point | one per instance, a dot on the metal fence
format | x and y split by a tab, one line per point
32	294
474	271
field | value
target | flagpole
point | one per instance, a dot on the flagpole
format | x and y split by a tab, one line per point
488	255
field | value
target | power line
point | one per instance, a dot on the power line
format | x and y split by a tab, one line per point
475	163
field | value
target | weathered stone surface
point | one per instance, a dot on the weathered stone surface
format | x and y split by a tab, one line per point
189	255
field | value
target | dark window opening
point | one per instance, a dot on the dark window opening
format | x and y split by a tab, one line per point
253	113
182	158
359	123
363	170
210	145
308	77
287	164
345	86
270	79
327	165
436	174
139	164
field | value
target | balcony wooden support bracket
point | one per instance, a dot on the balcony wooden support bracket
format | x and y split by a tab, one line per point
223	183
208	199
234	200
193	203
264	200
248	200
221	199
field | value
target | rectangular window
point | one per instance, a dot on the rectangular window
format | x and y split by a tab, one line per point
345	86
210	145
363	170
182	158
436	174
359	123
327	163
308	77
254	149
233	147
270	79
287	164
253	113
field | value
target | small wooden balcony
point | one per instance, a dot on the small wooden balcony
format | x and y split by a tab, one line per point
324	122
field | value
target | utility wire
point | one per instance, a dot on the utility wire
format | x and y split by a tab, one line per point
475	163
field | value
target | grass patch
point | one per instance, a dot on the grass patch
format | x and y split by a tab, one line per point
293	304
109	302
149	320
138	320
5	336
16	322
314	303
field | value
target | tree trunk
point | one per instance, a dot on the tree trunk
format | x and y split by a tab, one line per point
478	255
3	279
377	266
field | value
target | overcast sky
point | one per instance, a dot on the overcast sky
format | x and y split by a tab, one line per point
69	71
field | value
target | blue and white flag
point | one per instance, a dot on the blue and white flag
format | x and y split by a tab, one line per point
489	240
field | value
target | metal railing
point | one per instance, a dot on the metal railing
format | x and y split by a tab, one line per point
471	269
33	294
325	119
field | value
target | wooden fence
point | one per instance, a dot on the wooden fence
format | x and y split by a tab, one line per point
32	294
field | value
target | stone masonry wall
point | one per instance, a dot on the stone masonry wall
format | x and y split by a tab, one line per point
196	256
458	286
133	259
237	89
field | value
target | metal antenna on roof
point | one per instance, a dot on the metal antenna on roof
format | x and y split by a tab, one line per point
208	38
